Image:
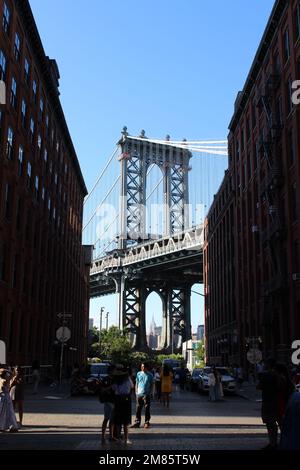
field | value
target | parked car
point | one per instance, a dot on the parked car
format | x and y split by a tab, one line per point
228	382
98	371
192	382
176	374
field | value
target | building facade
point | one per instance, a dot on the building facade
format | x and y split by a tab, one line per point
264	163
44	269
219	277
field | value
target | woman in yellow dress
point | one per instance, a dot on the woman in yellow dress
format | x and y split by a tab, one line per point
166	378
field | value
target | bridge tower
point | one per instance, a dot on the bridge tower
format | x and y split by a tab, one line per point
137	154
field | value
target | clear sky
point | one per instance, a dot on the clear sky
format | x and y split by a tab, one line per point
166	66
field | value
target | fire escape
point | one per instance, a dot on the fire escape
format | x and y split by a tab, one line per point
274	290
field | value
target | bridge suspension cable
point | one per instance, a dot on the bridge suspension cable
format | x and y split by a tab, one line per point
214	147
100	176
102	202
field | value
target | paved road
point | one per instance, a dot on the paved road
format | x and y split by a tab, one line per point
56	421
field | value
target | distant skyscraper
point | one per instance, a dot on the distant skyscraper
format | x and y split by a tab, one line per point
91	323
200	332
152	326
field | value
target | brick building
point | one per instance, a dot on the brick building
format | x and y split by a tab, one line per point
43	268
264	164
219	277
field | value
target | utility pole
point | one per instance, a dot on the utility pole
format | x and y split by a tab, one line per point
101	313
106	317
63	334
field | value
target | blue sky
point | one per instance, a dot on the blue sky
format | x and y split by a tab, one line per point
167	66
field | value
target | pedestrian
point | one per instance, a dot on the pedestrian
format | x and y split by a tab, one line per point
35	372
286	388
211	385
7	415
107	397
122	388
182	377
17	392
157	384
269	384
166	378
143	390
290	434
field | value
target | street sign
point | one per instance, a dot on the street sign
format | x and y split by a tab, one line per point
64	315
254	356
63	334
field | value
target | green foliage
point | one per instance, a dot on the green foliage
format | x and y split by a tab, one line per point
176	357
115	345
200	354
137	357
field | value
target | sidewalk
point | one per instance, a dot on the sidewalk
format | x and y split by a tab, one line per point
249	391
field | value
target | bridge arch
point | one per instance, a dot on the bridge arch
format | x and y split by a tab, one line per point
155	202
155	313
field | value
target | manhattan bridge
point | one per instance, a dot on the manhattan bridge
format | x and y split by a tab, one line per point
144	218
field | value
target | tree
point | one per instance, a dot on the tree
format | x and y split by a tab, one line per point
115	345
200	354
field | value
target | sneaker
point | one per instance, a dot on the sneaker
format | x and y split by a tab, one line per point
135	425
128	442
12	429
147	425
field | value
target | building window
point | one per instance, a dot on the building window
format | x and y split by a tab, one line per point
39	144
17	47
20	160
297	21
294	205
10	143
278	111
37	187
26	71
8	198
289	92
31	130
23	113
3	254
28	175
286	45
13	93
34	88
6	18
291	149
15	271
41	109
277	64
2	66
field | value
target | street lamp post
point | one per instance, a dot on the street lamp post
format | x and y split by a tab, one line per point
101	313
106	317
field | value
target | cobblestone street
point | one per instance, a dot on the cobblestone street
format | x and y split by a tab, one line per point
55	421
